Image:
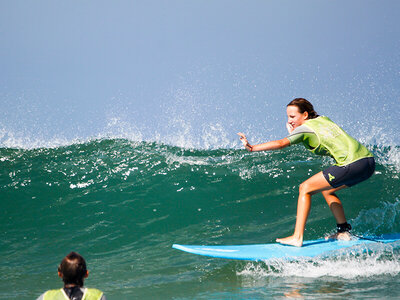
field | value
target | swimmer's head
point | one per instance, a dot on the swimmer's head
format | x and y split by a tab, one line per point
73	270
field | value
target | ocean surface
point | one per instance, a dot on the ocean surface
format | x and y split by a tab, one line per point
122	204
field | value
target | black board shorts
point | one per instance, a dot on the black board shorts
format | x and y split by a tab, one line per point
350	174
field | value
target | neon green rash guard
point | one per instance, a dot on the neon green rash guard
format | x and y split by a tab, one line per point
323	137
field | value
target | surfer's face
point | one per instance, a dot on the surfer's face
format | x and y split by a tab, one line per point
295	118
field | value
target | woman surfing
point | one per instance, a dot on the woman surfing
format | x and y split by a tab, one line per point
354	164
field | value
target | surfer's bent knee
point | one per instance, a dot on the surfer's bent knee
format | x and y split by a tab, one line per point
305	188
302	187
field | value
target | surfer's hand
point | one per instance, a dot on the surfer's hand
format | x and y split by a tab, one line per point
289	127
243	139
245	142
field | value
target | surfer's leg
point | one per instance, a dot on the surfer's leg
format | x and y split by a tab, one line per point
338	212
311	186
335	204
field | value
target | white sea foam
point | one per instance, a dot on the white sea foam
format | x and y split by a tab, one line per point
354	265
81	185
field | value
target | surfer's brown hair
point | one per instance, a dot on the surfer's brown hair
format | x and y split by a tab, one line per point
73	269
304	105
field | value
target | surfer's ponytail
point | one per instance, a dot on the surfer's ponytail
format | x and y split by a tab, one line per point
304	105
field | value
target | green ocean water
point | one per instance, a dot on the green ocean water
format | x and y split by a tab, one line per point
122	204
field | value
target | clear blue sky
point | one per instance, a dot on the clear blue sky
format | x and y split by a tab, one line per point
194	72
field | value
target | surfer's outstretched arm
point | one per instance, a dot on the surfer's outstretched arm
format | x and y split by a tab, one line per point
272	145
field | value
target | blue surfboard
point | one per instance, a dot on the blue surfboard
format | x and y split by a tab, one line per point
309	249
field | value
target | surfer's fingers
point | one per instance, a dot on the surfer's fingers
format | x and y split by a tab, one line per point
243	139
242	136
289	127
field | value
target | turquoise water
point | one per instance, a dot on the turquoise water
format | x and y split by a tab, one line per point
122	204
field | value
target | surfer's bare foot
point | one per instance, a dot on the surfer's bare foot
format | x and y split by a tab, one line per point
343	236
291	240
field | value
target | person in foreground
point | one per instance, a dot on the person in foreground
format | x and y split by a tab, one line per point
354	163
73	271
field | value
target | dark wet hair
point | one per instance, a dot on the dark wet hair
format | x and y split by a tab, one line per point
73	269
304	105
